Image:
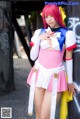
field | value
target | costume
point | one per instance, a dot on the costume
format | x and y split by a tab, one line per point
49	71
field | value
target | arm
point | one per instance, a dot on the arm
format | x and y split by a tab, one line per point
35	51
70	45
69	68
36	39
35	47
69	65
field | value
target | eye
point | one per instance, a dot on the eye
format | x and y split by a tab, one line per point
51	16
46	17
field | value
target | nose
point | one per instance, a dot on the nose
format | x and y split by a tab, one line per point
49	18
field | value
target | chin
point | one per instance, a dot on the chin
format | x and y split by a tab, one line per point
52	26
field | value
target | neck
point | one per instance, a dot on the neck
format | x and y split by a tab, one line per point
55	29
57	26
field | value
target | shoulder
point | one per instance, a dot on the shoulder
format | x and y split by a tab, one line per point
37	31
70	32
40	31
70	35
70	40
63	31
35	35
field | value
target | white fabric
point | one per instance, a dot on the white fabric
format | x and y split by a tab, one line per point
35	36
55	44
70	39
54	91
45	74
43	44
69	68
31	95
35	49
53	100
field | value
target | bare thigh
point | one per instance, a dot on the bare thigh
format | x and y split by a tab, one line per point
45	111
46	105
43	103
58	100
58	104
38	99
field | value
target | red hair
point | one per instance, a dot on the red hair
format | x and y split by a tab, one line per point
52	9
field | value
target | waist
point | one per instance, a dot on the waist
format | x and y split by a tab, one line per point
55	70
50	58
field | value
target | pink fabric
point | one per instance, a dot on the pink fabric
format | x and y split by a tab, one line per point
62	83
30	76
50	58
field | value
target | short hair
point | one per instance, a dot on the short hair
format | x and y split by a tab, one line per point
52	9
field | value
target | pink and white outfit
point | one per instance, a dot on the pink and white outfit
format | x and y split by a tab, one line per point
49	62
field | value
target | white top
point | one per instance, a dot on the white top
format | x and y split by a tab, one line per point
70	40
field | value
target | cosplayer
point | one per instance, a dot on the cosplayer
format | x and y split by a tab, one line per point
47	78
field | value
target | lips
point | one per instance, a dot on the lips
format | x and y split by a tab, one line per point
51	23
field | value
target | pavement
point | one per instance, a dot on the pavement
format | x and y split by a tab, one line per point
18	99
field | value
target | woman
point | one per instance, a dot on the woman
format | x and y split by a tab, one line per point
48	76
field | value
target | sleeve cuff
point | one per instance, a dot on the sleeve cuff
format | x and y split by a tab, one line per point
31	44
71	47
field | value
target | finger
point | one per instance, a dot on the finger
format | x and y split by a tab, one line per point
70	90
73	93
50	32
48	38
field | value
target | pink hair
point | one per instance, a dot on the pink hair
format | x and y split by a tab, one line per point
52	9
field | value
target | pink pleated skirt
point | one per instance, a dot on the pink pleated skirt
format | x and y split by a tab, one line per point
46	81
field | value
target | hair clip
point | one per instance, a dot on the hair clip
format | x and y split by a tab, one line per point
62	12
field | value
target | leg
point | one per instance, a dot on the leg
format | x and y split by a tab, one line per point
58	103
39	94
58	98
46	105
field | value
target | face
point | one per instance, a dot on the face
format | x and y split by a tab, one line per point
51	21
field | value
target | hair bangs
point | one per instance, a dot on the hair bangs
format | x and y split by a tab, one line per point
54	11
48	12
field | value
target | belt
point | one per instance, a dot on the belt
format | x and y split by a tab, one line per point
54	90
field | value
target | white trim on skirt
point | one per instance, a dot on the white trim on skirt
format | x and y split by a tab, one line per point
44	77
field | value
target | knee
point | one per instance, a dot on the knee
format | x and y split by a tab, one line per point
44	116
38	114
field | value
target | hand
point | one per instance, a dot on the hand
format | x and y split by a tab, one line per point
71	88
46	36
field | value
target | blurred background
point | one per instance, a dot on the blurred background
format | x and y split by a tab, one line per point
18	21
